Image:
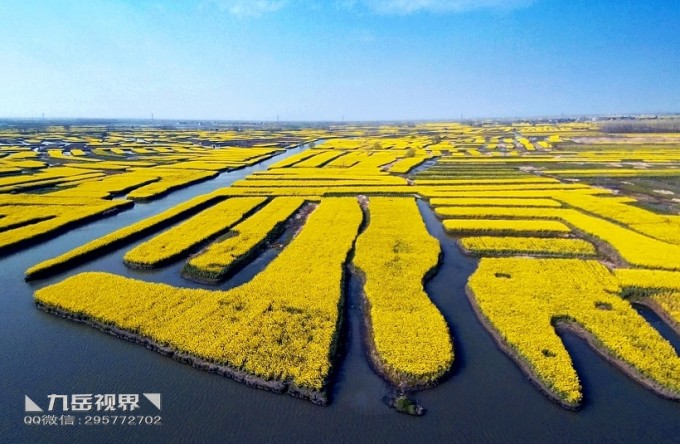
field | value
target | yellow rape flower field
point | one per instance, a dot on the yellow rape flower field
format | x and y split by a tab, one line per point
183	237
499	289
265	228
217	260
488	245
394	261
286	334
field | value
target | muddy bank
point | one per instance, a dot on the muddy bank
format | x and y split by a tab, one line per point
316	397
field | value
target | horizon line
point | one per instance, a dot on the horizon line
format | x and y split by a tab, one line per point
391	120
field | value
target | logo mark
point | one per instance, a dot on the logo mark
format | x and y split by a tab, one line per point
154	398
30	406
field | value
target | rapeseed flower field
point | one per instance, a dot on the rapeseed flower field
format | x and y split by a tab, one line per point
566	230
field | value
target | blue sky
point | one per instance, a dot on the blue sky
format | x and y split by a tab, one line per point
325	60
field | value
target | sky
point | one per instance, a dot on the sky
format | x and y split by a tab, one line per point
338	59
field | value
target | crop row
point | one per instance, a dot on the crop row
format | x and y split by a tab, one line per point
52	220
123	236
179	239
504	246
505	226
223	255
493	202
633	247
617	209
170	181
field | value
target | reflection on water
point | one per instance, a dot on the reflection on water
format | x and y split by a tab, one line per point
486	399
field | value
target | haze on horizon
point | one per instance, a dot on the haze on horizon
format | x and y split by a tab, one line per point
351	59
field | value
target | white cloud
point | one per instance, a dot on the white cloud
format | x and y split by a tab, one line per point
404	7
248	8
